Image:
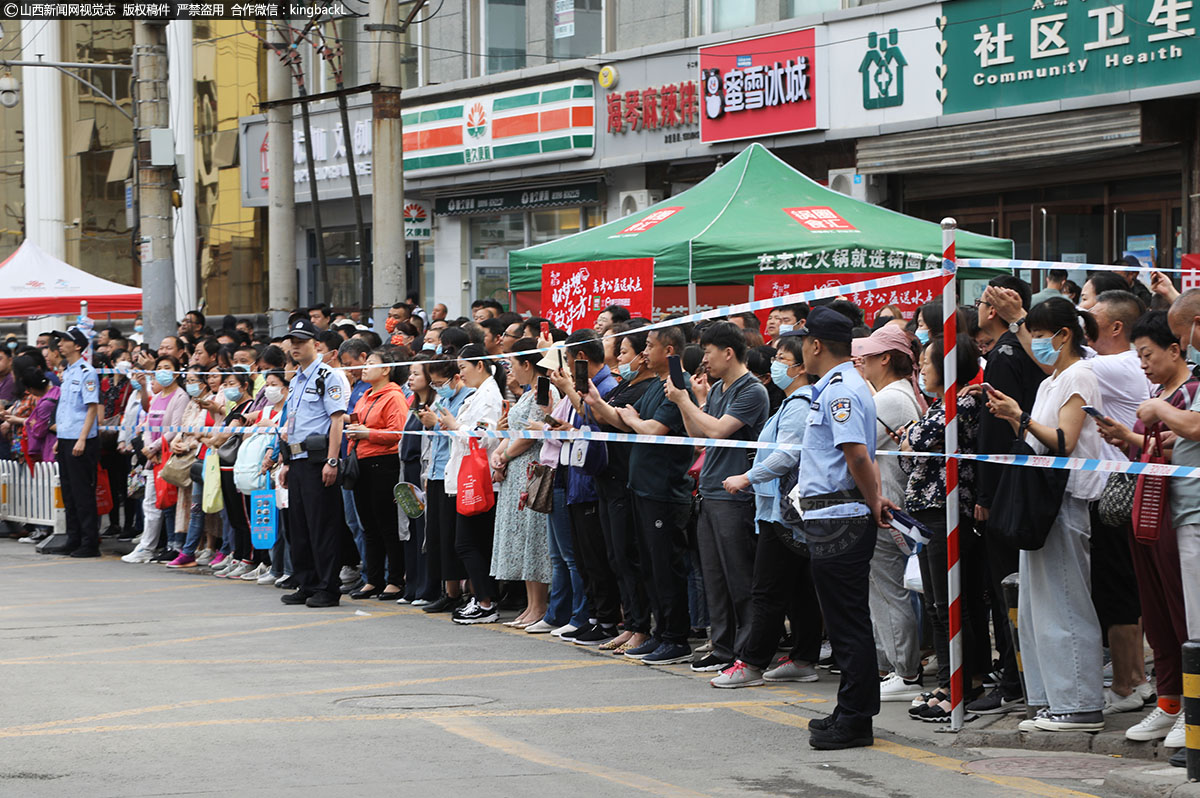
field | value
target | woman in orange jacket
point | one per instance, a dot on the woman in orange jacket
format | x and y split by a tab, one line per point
374	432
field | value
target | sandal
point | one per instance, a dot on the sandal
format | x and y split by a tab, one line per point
621	649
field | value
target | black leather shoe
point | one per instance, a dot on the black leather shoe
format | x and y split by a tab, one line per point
839	736
366	594
322	600
299	597
822	724
390	596
61	548
444	604
81	553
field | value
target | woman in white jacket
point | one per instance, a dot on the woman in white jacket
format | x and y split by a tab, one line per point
473	533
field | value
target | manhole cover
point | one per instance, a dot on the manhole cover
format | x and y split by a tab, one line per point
413	701
1047	767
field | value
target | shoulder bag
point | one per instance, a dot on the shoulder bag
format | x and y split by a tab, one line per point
348	470
1150	496
1028	499
540	490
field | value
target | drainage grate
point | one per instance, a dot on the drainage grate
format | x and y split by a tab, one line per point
1081	766
413	701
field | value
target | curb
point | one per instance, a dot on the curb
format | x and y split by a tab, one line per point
1108	743
1154	782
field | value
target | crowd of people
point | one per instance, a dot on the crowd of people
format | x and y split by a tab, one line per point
755	564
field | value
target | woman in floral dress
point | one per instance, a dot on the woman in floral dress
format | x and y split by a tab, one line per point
521	549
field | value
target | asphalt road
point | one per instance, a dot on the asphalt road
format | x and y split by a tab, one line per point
134	680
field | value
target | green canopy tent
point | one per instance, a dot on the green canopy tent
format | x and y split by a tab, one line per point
756	215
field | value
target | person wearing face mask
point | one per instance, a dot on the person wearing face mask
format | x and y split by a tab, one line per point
1059	631
195	414
131	420
114	393
521	550
925	500
887	364
165	409
246	559
782	578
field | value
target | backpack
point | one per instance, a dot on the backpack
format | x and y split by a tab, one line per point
249	460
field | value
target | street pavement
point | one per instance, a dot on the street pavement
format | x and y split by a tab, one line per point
135	680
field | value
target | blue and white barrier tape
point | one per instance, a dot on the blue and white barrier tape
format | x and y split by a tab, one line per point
1037	461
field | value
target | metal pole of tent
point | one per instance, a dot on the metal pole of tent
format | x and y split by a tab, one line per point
950	369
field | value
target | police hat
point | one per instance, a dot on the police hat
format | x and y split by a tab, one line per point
828	325
74	334
302	330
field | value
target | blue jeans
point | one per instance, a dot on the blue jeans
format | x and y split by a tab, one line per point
226	535
568	602
356	527
195	529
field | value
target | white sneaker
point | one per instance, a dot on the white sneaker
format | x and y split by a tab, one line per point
1178	736
205	556
1154	726
1030	724
225	567
239	570
562	630
895	688
931	667
826	651
1114	703
138	555
1146	691
349	576
256	573
282	579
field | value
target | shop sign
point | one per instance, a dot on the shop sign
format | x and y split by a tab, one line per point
574	294
854	260
889	66
500	130
908	297
650	109
518	199
418	220
665	107
1012	52
759	87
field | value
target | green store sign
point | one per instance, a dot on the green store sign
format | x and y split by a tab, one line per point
1011	52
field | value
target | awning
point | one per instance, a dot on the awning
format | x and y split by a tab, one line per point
1002	141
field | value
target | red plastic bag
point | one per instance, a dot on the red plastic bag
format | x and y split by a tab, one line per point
1150	496
475	492
166	495
104	499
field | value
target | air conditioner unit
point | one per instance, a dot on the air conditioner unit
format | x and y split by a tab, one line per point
634	201
867	188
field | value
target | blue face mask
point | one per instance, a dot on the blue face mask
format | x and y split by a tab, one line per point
779	375
193	389
233	394
1044	351
12	344
921	385
164	377
445	391
626	371
137	328
241	367
923	336
428	347
438	350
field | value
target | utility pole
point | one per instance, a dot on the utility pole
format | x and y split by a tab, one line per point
281	192
387	140
156	177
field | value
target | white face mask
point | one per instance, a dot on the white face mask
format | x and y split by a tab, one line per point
274	394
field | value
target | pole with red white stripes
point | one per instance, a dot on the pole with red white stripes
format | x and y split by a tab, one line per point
950	368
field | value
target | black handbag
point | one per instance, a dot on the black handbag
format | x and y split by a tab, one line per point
1028	500
348	471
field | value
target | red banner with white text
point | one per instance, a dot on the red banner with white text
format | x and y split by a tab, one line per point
574	294
908	297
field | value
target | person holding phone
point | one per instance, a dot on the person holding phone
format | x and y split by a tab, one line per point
194	415
840	498
521	550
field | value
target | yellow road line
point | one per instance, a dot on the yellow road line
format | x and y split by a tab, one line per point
476	733
1024	786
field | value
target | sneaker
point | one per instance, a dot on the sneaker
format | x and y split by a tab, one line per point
1155	726
826	651
896	688
994	703
227	565
644	650
669	654
993	679
931	666
349	576
595	636
1108	673
1177	737
477	613
739	674
183	561
287	582
466	608
1071	721
255	574
419	602
268	578
710	664
165	556
138	555
787	670
569	629
1030	724
219	559
1114	703
36	536
839	736
1146	691
829	664
205	557
1178	759
240	569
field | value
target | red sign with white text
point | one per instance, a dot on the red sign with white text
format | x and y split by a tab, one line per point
648	221
574	294
819	219
758	87
1190	278
908	297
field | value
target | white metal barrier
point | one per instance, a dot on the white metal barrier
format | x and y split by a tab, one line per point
31	497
